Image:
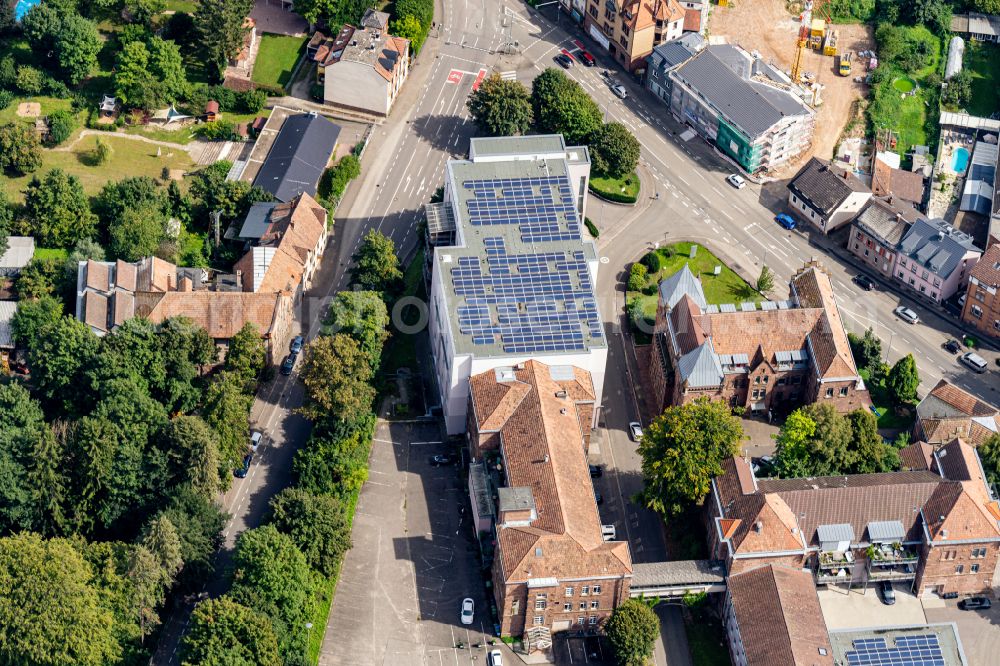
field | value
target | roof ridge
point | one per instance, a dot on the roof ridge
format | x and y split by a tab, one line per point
784	616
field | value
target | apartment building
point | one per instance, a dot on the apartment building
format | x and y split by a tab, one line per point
667	57
774	357
935	530
888	180
552	569
934	259
948	412
743	105
877	231
512	277
982	297
629	29
825	195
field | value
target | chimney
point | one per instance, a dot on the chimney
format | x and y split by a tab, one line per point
758	526
239	279
546	458
185	284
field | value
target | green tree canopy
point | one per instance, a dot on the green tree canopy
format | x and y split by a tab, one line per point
363	316
225	633
337	376
561	106
246	354
632	630
903	381
869	453
64	40
867	351
989	453
376	266
193	454
57	211
198	521
227	410
22	429
500	107
614	150
150	73
20	150
58	357
50	613
32	316
220	28
682	451
765	281
271	576
316	523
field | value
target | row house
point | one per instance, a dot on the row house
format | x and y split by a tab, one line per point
552	570
825	195
948	412
629	30
982	297
877	231
933	259
775	356
934	529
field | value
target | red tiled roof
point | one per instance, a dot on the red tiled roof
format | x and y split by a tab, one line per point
692	20
221	313
987	269
916	456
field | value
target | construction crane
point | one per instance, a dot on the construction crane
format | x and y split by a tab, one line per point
805	21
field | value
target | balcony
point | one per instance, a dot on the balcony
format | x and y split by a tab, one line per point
903	572
890	555
836	560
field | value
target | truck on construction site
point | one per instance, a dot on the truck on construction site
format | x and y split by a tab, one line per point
844	66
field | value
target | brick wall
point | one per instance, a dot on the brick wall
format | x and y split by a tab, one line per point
949	568
519	607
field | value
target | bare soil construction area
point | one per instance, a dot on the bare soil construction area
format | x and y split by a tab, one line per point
767	27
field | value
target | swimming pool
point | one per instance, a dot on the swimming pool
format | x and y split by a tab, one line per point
960	160
22	8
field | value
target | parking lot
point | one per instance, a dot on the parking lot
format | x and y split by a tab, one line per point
843	610
414	559
979	630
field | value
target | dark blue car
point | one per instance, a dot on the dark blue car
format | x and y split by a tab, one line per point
786	220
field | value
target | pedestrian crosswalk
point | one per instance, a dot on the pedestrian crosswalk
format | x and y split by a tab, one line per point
509	76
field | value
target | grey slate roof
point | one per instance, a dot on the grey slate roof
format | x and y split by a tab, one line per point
887	221
258	219
674	287
824	186
650	574
677	51
298	156
700	367
721	74
936	245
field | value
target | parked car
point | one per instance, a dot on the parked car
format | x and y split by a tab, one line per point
608	532
762	466
496	659
635	431
468	610
886	593
907	315
975	603
864	281
256	436
584	56
736	181
786	220
564	60
596	471
442	459
952	346
242	471
974	361
296	345
288	364
619	91
599	497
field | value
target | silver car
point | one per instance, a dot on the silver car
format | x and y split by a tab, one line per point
907	315
619	91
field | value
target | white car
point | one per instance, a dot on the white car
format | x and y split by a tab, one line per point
619	91
256	436
496	659
736	181
635	431
468	610
907	315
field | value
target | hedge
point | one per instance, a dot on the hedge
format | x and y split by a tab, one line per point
591	227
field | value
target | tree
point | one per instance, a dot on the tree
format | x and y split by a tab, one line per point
632	630
58	356
61	125
792	452
57	210
22	427
134	82
102	151
135	234
29	80
816	442
271	576
637	276
227	410
143	11
225	633
51	614
408	27
989	454
7	17
193	453
501	108
336	12
41	277
32	316
186	349
867	351
614	150
986	6
67	42
221	31
958	89
363	316
903	380
561	106
335	461
765	281
935	14
163	542
246	354
199	521
149	589
336	374
20	150
376	266
682	451
869	453
316	523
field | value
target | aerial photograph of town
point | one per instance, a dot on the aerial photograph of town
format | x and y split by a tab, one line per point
499	332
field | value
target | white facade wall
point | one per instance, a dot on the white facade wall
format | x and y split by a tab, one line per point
840	216
930	285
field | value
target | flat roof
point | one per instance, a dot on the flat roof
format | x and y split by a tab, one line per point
937	644
521	284
518	145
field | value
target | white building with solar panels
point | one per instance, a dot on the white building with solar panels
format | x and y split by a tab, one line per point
513	272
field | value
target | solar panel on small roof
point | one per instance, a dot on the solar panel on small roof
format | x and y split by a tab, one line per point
768	305
748	307
727	307
712	309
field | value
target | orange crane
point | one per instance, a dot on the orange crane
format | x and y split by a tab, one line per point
804	23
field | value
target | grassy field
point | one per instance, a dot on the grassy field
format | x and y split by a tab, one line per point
128	158
912	123
983	60
48	105
727	287
888	419
276	58
187	6
617	189
58	253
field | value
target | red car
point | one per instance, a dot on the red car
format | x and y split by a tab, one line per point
567	54
587	59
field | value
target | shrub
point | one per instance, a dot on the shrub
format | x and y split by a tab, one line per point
219	130
251	101
652	261
336	178
61	125
6	98
8	72
29	80
637	277
591	227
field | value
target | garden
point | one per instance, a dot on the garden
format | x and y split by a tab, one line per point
276	59
982	61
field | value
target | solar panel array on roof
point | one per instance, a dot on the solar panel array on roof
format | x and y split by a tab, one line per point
768	305
727	307
528	303
543	208
920	650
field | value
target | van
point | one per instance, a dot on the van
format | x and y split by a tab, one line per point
608	532
976	362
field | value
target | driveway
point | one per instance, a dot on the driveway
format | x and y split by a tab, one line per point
857	609
979	631
413	560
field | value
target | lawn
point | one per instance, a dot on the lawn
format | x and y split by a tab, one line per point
128	158
43	254
48	105
888	419
983	60
912	123
726	287
624	190
276	58
187	6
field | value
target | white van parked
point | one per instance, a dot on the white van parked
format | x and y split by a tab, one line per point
975	362
608	532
